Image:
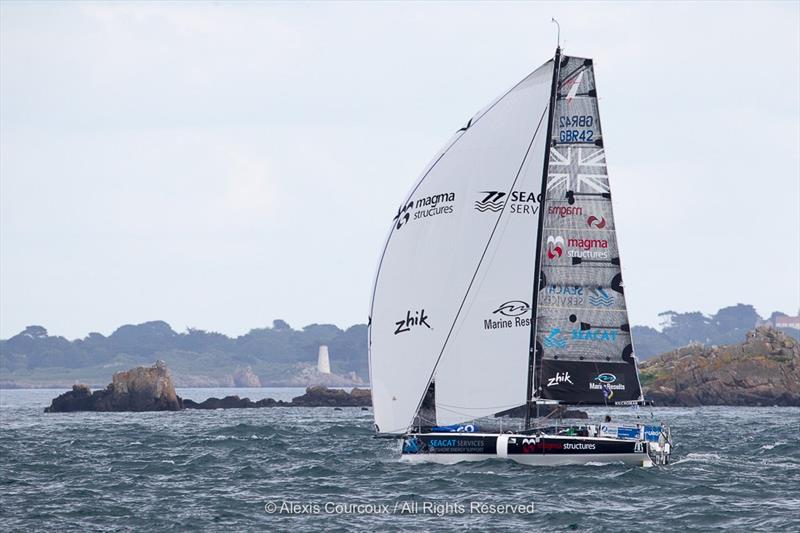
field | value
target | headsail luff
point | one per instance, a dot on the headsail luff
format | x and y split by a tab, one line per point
584	348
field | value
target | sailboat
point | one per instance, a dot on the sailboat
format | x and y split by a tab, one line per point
500	286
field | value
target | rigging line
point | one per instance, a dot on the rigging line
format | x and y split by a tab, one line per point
413	191
485	249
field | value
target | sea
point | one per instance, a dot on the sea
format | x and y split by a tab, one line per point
320	469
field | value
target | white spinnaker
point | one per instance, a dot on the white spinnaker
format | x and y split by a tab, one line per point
484	367
436	244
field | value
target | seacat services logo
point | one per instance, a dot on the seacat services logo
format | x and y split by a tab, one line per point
429	206
563	296
553	340
519	202
412	445
600	298
490	201
601	335
509	315
559	378
595	222
555	247
418	318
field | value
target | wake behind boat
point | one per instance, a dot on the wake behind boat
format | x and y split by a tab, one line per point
500	285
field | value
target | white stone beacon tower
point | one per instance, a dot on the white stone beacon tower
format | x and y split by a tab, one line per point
323	361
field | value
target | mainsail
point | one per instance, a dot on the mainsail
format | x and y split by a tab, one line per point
452	291
584	352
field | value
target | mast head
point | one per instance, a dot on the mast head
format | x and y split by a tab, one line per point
558	37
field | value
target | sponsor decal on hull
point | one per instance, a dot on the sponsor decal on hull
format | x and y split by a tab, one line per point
413	444
545	445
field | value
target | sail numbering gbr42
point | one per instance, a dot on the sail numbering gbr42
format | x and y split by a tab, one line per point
500	286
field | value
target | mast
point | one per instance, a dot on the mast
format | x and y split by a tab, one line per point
537	265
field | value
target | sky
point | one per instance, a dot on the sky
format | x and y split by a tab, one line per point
221	165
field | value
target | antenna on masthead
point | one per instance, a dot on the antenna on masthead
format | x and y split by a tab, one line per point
558	43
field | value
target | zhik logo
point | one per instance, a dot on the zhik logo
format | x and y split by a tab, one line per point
559	378
419	319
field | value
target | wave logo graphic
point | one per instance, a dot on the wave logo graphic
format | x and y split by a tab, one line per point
594	222
606	378
553	341
412	445
513	308
493	201
555	247
600	298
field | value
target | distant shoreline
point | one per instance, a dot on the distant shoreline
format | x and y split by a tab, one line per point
6	386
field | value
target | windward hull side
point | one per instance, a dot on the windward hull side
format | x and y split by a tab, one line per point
523	449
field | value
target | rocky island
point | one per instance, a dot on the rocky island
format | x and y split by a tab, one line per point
138	389
152	389
764	370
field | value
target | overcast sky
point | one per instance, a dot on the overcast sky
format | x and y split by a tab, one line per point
222	165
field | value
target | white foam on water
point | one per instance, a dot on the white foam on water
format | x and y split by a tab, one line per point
698	457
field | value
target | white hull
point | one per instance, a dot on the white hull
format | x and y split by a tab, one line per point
632	459
541	449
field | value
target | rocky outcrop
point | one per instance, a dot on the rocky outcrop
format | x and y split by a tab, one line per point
245	377
138	389
233	402
325	397
764	370
314	397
